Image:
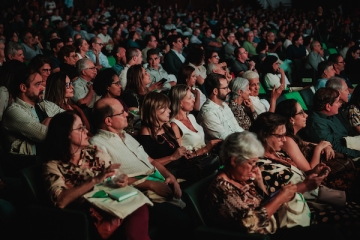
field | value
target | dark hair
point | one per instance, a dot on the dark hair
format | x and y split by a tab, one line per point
334	58
38	61
355	97
265	124
322	66
195	56
147	38
54	42
261	46
131	34
287	109
267	65
208	55
134	77
131	52
324	96
151	51
100	113
65	51
12	74
173	39
185	73
55	88
57	142
295	38
212	81
103	80
152	102
351	50
77	43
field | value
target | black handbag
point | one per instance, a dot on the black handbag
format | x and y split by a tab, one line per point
194	169
339	163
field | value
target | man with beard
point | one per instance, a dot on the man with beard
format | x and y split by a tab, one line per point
25	121
215	116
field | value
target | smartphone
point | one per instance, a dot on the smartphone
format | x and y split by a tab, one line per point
163	80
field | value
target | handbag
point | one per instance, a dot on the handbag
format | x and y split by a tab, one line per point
340	163
331	196
296	212
194	169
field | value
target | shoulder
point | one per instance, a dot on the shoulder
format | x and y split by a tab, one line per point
144	131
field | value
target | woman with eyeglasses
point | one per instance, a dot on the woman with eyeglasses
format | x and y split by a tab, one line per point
212	57
73	167
68	57
60	90
195	59
82	47
274	76
42	65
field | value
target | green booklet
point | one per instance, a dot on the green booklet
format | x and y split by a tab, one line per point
120	194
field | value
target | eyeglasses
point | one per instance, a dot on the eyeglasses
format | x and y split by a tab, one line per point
277	63
100	44
91	68
279	136
216	56
357	53
301	113
179	41
119	114
243	52
116	83
81	128
74	56
341	62
46	70
68	84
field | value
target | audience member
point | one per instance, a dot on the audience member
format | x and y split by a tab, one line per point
55	45
31	46
69	58
119	53
151	42
326	71
315	56
133	57
95	54
242	63
174	59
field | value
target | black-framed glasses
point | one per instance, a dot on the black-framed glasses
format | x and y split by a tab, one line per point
100	44
74	56
91	68
301	113
46	70
279	136
117	83
68	84
81	128
118	114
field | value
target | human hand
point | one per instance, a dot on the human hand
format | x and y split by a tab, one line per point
90	87
251	65
321	145
121	181
179	152
313	181
281	71
156	86
321	169
248	103
106	172
329	152
46	121
228	76
162	189
276	92
287	192
96	52
174	185
212	144
279	44
195	92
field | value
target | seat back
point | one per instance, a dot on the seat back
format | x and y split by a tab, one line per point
307	95
293	95
194	198
34	185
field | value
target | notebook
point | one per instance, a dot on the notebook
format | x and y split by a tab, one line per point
121	194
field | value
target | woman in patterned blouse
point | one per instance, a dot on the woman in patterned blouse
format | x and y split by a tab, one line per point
241	104
73	168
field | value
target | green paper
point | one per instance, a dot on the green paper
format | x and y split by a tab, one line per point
100	194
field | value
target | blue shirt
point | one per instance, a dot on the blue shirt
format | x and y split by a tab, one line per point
102	59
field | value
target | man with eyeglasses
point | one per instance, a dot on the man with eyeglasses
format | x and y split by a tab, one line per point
315	56
110	120
31	46
230	46
326	71
175	58
242	63
95	54
105	38
84	94
322	123
215	116
339	68
157	72
25	121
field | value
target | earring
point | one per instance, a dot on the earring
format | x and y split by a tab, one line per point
293	123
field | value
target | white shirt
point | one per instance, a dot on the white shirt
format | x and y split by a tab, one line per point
189	139
128	152
104	38
218	121
260	105
123	75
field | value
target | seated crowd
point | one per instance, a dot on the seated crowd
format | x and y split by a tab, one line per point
150	93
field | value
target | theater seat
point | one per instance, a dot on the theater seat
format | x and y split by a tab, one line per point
194	198
293	95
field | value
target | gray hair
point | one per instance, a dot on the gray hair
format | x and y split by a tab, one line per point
313	43
93	40
250	75
241	145
12	48
82	64
210	68
237	84
335	83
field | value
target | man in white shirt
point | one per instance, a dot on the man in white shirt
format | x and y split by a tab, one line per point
105	38
195	37
215	116
151	43
133	57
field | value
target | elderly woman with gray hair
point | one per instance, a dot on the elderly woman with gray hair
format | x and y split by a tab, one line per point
235	197
241	104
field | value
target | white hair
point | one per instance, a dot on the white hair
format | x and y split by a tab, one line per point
250	75
237	84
